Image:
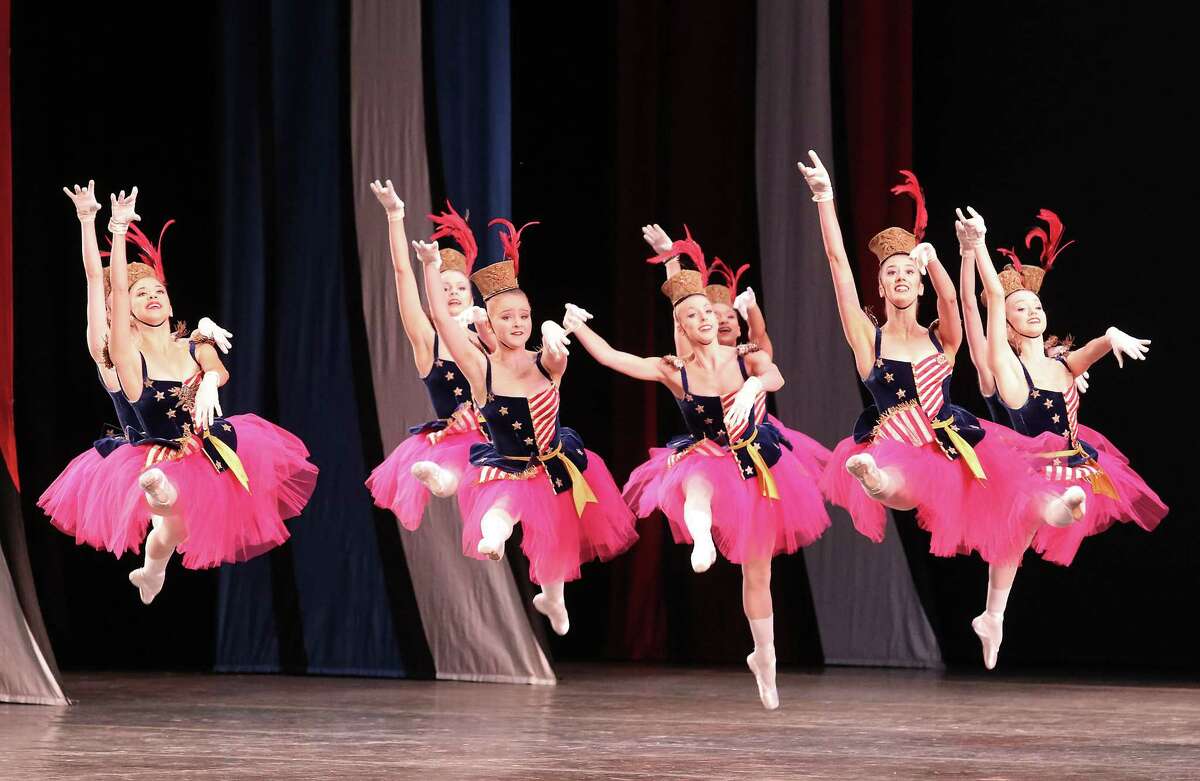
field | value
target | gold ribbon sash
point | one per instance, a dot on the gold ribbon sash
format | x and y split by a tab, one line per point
1100	482
961	445
766	480
581	492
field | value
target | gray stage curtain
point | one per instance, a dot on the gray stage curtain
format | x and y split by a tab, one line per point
27	669
866	604
474	620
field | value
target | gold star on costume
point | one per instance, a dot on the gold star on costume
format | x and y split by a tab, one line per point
878	363
900	393
149	383
558	482
504	410
699	408
159	396
458	391
1067	434
749	470
1049	403
889	377
226	427
688	397
528	440
517	425
449	375
708	421
1055	418
1035	393
171	414
438	363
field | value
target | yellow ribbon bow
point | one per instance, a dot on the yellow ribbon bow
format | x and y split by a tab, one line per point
581	492
1100	482
766	480
962	446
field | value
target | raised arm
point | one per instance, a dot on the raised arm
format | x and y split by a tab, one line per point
1001	360
416	325
648	369
972	319
86	208
1122	345
949	322
121	348
858	328
746	304
470	360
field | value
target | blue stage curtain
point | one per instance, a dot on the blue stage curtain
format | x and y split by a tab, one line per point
335	599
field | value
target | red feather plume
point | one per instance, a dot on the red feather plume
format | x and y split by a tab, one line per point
511	240
451	223
1011	254
148	252
685	246
1050	241
912	188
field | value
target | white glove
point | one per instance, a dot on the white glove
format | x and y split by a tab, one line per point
743	403
817	178
554	339
744	301
427	253
972	228
1081	383
923	254
1125	345
575	317
85	201
386	195
207	404
123	212
470	316
657	238
206	327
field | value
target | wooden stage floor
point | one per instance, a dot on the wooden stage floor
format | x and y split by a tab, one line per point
611	722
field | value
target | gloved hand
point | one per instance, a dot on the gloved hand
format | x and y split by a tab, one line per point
123	212
744	301
657	238
817	178
554	338
207	328
207	405
575	317
1081	383
86	205
923	254
386	195
743	403
427	253
1125	345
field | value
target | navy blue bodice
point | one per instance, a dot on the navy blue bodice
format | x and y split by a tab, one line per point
1048	411
525	431
128	428
894	383
446	385
996	409
704	417
164	411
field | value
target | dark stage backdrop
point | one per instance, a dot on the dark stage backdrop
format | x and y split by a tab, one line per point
622	114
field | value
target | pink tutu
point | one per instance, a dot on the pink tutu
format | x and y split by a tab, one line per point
555	539
1138	503
746	526
225	523
994	517
82	500
393	486
811	454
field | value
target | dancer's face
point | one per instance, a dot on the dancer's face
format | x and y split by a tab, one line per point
728	327
900	281
458	291
511	319
1023	310
697	320
148	301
